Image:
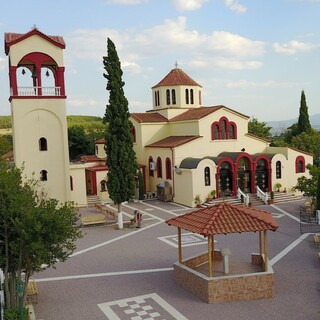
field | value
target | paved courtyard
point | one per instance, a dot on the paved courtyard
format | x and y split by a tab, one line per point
127	274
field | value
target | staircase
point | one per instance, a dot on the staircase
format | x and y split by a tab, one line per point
279	197
93	200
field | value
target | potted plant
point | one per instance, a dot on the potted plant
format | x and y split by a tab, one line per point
271	200
278	185
211	195
197	200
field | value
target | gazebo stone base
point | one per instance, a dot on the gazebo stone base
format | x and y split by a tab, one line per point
217	289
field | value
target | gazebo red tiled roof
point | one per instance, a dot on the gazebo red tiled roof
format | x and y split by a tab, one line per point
91	158
176	77
224	218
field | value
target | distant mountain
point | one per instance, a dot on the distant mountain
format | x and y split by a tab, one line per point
280	126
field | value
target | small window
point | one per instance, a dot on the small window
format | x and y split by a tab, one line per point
158	96
168	169
168	97
300	164
173	93
187	96
103	185
191	96
43	146
200	100
71	183
97	149
151	172
278	170
207	181
43	175
159	167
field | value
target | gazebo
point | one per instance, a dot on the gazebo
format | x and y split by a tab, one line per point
225	218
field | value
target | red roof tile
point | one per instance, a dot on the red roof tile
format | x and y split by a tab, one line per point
176	77
100	141
195	113
13	38
91	158
224	218
148	117
172	141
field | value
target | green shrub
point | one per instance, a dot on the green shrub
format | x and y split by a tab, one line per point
13	314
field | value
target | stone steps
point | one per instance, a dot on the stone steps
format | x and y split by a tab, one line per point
93	200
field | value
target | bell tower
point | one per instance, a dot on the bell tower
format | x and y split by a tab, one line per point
38	109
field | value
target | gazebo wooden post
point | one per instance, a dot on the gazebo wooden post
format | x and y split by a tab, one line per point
210	255
265	251
212	249
179	245
260	243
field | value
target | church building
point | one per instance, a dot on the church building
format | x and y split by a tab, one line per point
180	144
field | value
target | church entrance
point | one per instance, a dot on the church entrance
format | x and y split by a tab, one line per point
225	179
244	175
261	177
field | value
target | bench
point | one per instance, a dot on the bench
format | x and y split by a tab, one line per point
32	291
317	239
93	219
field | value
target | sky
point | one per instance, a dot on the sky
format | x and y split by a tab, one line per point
254	56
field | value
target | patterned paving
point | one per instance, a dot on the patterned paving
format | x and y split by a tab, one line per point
187	240
146	307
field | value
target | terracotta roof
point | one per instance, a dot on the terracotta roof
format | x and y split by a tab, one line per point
9	156
97	168
148	117
172	141
13	38
176	77
224	218
91	158
195	113
100	141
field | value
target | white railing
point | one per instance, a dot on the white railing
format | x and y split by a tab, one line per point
35	91
262	195
246	198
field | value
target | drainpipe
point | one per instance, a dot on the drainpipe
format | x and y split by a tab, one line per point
172	169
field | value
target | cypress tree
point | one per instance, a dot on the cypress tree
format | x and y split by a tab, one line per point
303	121
121	158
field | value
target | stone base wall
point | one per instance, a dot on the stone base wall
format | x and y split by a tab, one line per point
249	286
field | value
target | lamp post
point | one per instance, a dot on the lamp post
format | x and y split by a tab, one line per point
20	290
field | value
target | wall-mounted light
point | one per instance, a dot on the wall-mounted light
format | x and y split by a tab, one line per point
177	170
243	149
23	72
47	73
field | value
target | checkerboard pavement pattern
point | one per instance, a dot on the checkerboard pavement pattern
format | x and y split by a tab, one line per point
147	307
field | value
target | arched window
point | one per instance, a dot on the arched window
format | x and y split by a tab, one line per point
200	100
278	170
155	99
187	96
168	97
158	96
168	169
224	129
43	175
173	93
191	96
43	146
133	132
159	167
151	167
103	185
207	176
71	183
96	149
300	164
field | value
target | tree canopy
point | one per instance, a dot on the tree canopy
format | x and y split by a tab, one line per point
260	129
303	121
121	158
34	230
